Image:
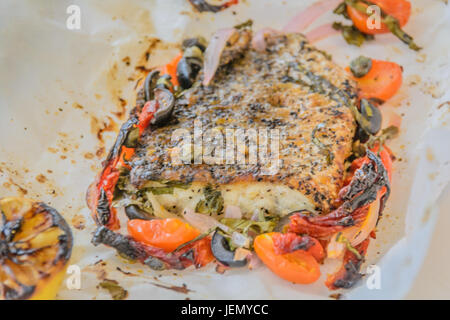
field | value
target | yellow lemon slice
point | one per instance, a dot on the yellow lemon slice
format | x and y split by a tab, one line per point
35	247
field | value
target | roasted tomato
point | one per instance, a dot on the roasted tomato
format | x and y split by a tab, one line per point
298	266
167	234
399	9
381	82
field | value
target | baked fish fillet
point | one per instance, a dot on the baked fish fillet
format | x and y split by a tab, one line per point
292	87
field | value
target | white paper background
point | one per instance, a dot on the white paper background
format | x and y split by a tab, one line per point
58	87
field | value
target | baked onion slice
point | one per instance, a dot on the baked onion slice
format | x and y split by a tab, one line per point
35	247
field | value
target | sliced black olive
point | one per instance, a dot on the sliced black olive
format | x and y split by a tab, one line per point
150	84
373	116
187	71
133	212
166	102
360	66
199	42
223	254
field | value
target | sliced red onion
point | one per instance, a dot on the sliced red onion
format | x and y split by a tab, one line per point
233	212
213	53
303	19
355	234
259	38
202	222
253	261
321	32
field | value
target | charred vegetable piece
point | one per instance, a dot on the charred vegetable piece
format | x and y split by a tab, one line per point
35	248
222	252
362	191
298	266
153	257
349	273
124	131
290	242
103	208
204	6
360	66
134	212
150	84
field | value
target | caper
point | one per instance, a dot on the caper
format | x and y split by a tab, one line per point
360	66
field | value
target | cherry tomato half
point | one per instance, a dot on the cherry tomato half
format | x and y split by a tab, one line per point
298	266
167	234
399	9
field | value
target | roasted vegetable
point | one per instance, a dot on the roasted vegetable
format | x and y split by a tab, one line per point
204	6
134	212
298	266
349	273
166	234
35	247
197	253
351	34
382	81
212	202
222	252
362	190
394	14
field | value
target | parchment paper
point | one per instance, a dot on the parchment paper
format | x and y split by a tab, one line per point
64	93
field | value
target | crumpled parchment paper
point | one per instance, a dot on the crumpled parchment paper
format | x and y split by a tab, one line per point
64	94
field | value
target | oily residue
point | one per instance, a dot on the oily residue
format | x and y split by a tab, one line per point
79	222
182	289
41	178
99	127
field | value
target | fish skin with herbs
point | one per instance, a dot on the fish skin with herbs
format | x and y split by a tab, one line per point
293	87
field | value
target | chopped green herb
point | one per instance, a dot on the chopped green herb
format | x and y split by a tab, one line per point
246	24
340	238
323	148
114	289
243	225
351	34
213	202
